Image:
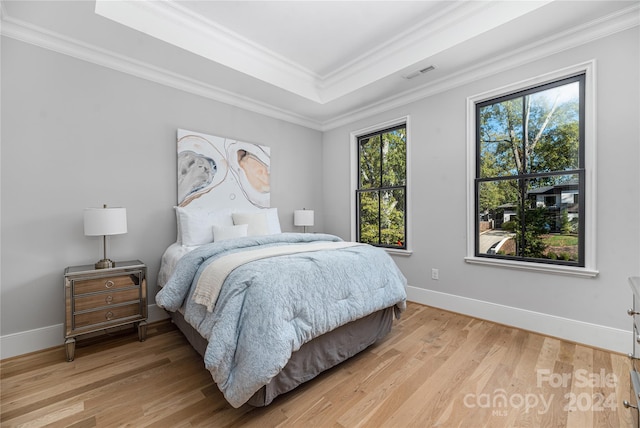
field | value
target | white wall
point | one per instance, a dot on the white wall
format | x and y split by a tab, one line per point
585	310
78	135
75	134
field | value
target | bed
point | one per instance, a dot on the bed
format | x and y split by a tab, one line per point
267	310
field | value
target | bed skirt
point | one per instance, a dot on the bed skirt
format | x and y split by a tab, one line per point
313	357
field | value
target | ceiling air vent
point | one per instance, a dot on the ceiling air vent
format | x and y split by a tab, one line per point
419	72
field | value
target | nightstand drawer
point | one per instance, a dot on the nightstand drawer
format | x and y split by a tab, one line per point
92	301
107	315
83	286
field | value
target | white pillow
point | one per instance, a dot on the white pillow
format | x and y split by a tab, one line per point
273	222
257	222
196	225
179	227
220	233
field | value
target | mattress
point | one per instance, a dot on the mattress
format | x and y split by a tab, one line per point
170	259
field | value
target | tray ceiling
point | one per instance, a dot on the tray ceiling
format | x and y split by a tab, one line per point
311	62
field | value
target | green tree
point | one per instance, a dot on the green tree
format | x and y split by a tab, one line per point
528	134
382	199
565	224
536	222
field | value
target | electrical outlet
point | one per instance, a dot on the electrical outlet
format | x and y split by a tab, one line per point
434	273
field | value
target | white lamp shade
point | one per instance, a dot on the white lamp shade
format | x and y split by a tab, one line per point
303	218
105	221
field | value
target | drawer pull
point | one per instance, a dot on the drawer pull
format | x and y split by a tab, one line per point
631	312
109	316
628	405
109	284
638	338
108	299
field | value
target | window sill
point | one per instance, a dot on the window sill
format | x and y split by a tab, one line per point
393	251
535	267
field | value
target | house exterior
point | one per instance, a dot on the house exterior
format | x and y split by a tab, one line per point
561	202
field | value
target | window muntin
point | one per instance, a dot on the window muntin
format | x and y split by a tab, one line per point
381	188
529	185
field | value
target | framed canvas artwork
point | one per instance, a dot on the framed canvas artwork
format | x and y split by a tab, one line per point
218	171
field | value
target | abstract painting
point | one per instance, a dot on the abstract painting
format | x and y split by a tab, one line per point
218	171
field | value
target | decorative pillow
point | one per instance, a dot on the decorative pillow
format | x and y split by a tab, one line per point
257	222
196	225
220	233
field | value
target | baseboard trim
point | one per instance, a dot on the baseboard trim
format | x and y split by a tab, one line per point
595	335
598	336
25	342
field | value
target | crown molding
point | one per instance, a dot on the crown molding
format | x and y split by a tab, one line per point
571	38
177	25
605	26
455	24
28	33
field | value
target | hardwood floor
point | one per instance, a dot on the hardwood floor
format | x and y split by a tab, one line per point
435	368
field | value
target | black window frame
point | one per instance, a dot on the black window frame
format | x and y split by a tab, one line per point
521	178
359	190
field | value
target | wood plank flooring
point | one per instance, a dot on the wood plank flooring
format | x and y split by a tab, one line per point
435	368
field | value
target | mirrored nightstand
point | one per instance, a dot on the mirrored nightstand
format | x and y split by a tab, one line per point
97	299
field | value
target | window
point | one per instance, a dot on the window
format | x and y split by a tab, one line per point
530	175
381	189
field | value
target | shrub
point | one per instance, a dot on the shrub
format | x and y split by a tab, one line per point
564	256
509	226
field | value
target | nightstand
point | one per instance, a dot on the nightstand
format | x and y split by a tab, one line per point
634	374
97	299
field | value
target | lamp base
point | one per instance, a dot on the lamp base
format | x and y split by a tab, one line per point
105	264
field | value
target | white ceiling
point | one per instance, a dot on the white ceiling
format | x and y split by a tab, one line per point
321	37
315	63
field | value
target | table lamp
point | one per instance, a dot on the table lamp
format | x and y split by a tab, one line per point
303	218
102	222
